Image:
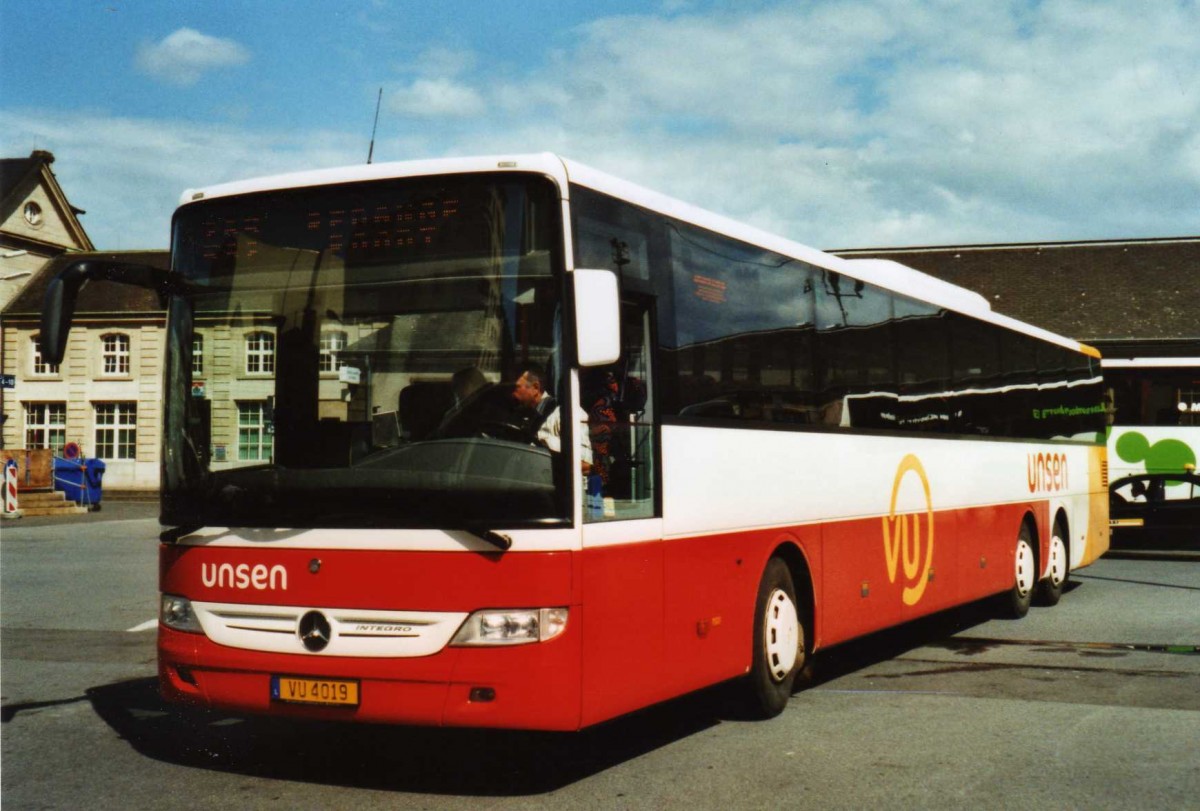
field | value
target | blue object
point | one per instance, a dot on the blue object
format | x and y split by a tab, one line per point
595	497
80	480
68	477
93	478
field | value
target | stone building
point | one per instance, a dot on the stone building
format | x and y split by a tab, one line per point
37	222
106	395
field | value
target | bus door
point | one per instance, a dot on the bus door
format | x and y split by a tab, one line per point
622	531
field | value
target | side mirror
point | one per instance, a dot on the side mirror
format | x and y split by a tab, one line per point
58	307
597	317
58	310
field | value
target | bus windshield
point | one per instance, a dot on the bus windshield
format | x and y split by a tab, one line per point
347	355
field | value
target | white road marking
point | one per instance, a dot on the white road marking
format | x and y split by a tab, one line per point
145	626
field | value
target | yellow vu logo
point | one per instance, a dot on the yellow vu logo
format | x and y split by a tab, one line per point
905	540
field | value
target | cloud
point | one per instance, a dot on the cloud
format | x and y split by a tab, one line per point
861	122
848	123
130	194
435	98
186	55
443	61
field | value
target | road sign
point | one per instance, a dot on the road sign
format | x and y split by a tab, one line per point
8	381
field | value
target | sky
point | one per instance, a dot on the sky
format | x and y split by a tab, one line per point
835	123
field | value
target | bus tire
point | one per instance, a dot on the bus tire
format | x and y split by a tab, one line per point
1050	590
1016	600
778	642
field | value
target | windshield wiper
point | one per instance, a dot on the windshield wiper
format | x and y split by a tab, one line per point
173	534
497	539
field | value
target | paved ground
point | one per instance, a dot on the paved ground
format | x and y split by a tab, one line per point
1092	704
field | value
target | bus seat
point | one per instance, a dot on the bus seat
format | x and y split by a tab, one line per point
422	406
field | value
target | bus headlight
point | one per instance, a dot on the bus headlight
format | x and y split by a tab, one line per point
176	613
520	627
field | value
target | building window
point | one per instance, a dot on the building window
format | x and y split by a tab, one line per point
116	430
197	354
114	354
254	437
46	426
40	367
260	353
331	344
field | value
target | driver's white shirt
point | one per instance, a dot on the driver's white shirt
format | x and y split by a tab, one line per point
550	433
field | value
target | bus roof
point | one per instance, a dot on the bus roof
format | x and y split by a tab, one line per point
883	273
541	163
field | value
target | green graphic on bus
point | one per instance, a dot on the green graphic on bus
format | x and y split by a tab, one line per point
1163	456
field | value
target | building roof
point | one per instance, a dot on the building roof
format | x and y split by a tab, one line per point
16	172
1142	290
18	179
94	298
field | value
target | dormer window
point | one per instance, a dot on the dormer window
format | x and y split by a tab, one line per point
114	355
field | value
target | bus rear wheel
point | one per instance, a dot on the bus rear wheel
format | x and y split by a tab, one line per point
1016	600
1050	590
778	642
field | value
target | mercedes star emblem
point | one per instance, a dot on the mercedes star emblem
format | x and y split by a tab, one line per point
315	631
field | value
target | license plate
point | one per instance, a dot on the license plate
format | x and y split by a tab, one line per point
302	690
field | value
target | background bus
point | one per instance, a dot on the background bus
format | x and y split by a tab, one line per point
1153	446
1156	414
783	450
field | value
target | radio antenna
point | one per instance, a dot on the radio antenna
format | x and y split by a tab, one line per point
375	126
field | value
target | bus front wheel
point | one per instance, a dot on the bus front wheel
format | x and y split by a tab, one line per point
778	642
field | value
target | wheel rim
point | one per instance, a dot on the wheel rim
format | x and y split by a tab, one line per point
1025	573
781	635
1058	561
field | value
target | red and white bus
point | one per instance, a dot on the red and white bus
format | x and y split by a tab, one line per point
746	450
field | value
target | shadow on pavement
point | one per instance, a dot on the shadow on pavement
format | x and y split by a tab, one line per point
861	653
10	711
416	760
457	761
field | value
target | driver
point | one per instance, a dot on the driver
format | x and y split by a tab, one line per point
530	392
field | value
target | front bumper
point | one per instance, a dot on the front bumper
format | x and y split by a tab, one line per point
535	686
